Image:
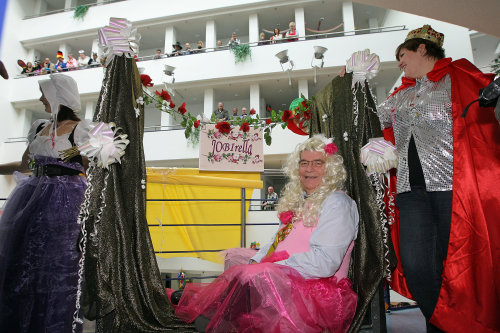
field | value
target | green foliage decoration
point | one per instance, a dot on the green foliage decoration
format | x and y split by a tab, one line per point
80	12
241	52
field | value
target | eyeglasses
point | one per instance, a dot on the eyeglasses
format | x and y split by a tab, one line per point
315	164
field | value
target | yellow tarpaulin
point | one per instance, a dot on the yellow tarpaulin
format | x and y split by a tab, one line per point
180	184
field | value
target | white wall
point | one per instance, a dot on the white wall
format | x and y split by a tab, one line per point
13	122
456	39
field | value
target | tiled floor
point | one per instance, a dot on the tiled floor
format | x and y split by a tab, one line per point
401	321
405	321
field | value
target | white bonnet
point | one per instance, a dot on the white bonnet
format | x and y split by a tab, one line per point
59	90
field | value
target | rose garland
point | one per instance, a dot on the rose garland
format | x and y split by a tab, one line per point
297	120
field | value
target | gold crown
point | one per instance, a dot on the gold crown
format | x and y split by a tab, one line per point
426	32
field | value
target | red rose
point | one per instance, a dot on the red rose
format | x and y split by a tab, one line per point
223	127
304	104
269	108
331	149
268	121
307	114
287	115
286	217
245	127
252	111
163	94
146	80
182	108
172	104
196	123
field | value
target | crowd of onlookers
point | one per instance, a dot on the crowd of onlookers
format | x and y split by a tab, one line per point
222	114
61	64
84	61
278	37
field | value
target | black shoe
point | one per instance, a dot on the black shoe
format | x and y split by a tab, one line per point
201	323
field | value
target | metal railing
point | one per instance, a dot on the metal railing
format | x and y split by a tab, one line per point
242	224
225	47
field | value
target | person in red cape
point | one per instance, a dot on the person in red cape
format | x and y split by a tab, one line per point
448	188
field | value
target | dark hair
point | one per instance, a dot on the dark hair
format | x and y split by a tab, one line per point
274	31
433	50
65	113
158	50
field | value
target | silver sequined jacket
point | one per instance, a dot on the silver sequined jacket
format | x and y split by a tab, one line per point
423	111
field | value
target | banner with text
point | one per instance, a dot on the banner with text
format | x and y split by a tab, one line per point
236	150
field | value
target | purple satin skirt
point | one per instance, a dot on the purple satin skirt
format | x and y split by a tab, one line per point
39	252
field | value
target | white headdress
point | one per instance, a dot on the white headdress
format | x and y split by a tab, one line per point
60	90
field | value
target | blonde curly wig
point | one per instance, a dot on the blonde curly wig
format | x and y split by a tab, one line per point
292	197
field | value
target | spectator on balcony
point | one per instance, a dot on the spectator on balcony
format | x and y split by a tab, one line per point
235	113
72	62
199	47
221	114
244	112
234	40
188	49
46	64
83	59
94	61
219	43
60	64
158	54
29	69
177	49
277	37
291	34
262	39
271	199
297	282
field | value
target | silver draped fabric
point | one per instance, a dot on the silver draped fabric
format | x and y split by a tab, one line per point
423	111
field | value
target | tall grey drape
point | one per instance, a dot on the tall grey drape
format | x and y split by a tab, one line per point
123	290
352	121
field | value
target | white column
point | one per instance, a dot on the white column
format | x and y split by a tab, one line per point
164	119
210	35
39	7
170	38
303	88
64	49
300	23
25	117
208	102
253	28
89	110
348	17
95	48
68	4
32	55
255	98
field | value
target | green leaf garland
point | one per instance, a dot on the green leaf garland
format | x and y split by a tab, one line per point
241	52
80	12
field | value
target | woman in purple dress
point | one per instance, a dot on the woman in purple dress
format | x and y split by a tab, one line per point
38	229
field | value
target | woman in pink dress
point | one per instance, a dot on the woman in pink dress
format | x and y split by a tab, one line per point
298	282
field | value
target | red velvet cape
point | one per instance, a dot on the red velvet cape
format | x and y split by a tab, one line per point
469	300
